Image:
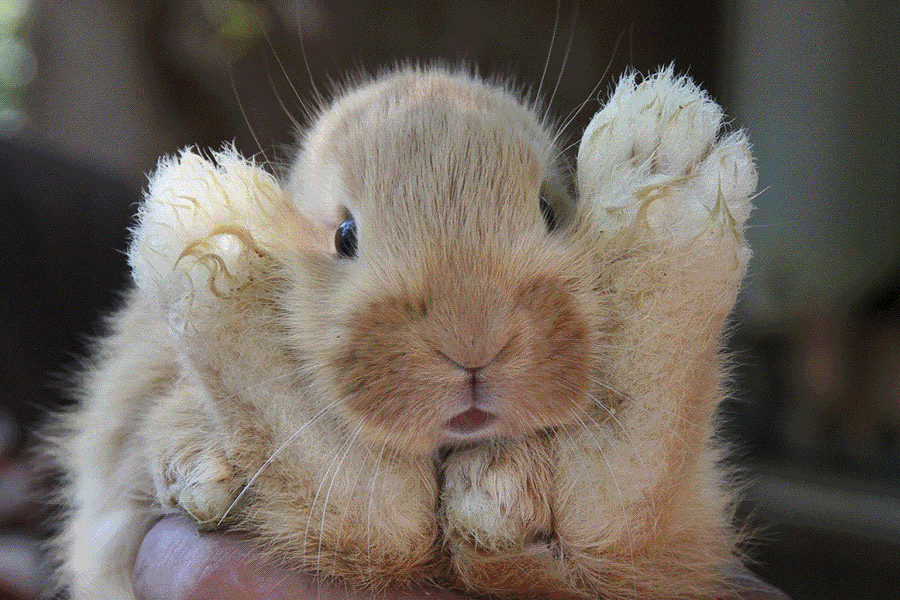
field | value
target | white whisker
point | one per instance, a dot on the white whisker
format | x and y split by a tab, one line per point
337	472
269	460
562	68
550	49
240	104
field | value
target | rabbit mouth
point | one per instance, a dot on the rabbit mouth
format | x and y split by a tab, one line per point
469	422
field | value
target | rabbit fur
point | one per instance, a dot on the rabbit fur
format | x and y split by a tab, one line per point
487	396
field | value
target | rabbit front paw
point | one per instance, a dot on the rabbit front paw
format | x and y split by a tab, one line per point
497	519
202	484
496	496
653	156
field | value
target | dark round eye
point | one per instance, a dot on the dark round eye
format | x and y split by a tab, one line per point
549	214
345	239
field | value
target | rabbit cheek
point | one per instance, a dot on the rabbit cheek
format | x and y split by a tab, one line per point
552	370
386	380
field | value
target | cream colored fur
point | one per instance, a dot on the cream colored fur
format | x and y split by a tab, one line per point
255	378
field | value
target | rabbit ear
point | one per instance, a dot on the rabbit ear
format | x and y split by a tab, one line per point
205	225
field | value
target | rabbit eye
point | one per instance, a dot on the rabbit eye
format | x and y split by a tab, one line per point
548	214
345	239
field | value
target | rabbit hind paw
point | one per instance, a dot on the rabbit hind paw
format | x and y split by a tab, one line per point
654	155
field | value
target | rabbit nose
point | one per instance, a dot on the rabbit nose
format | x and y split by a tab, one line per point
460	363
474	359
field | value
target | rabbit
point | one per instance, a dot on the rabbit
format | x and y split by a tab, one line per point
422	357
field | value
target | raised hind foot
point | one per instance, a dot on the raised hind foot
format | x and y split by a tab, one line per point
655	156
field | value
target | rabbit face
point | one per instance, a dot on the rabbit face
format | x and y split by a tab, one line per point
460	309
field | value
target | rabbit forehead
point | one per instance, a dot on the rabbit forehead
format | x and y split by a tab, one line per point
456	179
429	96
460	164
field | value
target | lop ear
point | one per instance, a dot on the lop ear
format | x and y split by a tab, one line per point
206	226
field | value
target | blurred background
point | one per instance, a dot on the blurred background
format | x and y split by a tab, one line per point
92	92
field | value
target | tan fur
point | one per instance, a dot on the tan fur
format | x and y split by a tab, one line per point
254	379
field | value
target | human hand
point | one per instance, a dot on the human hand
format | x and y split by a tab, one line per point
748	586
177	563
20	573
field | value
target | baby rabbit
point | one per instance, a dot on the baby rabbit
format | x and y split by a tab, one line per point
421	360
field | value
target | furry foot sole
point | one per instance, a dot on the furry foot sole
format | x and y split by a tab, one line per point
654	156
